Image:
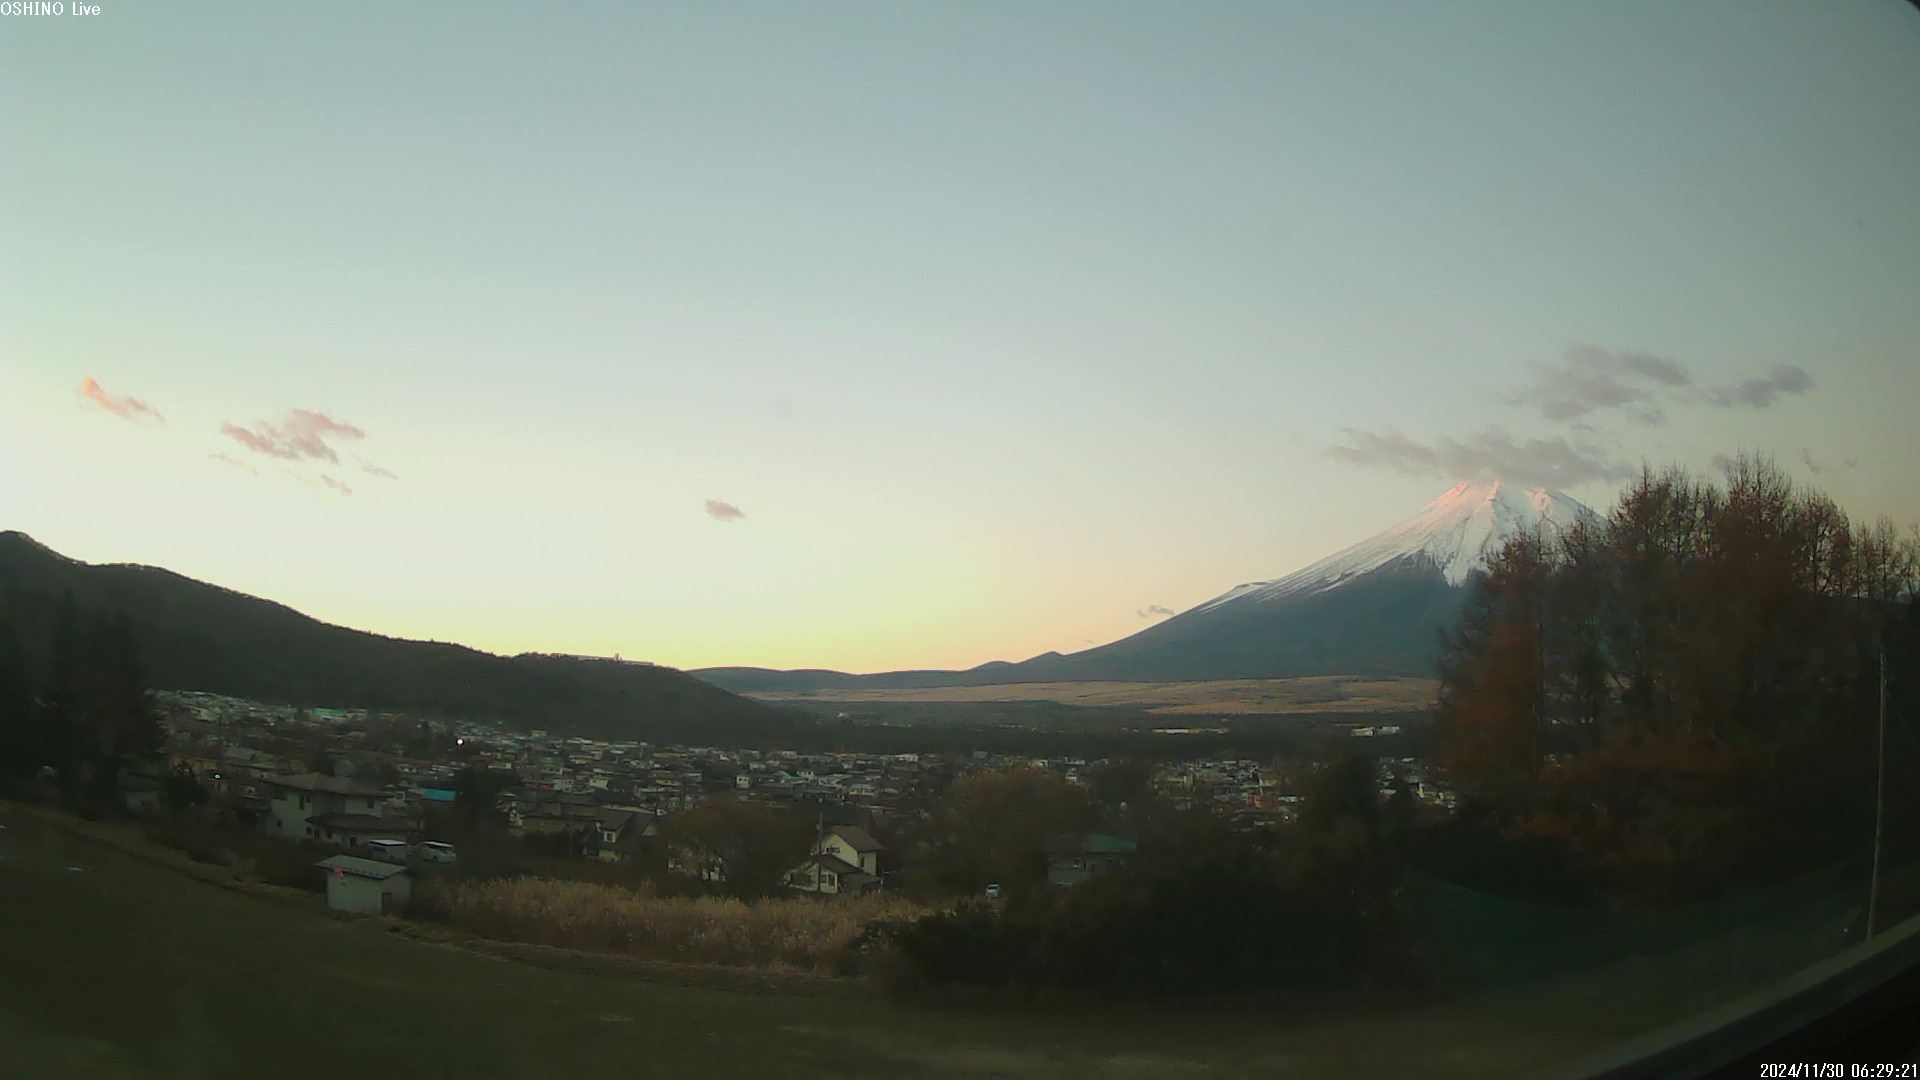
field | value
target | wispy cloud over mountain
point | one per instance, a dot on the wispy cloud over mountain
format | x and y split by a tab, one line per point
1784	380
1589	379
1554	462
124	406
303	436
1154	611
1580	392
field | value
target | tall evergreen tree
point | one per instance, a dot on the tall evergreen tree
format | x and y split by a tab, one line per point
117	717
56	719
17	743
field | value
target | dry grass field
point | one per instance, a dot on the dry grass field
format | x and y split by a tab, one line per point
799	933
1220	697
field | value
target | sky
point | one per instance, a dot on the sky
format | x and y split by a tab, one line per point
873	336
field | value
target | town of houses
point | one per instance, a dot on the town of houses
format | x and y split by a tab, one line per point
607	797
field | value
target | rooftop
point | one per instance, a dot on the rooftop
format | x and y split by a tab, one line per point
857	838
1093	844
361	823
849	873
332	785
353	866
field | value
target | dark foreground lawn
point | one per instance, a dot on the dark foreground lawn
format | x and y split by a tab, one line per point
112	966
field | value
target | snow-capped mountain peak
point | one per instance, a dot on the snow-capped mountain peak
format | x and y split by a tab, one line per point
1376	607
1455	533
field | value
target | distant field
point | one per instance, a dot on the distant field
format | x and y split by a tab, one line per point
115	967
1220	697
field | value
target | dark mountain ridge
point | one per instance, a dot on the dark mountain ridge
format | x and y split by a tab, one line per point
197	636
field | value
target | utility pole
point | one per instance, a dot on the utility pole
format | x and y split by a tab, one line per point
1879	793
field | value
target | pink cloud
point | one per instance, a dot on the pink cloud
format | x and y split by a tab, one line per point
259	444
722	510
124	406
229	459
321	481
303	434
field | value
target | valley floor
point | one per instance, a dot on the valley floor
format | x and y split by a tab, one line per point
1217	697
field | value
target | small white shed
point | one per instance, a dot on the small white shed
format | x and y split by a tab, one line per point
366	886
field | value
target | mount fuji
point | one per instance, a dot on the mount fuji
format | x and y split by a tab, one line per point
1453	534
1373	608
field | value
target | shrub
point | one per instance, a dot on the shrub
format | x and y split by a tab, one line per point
973	944
252	854
1208	913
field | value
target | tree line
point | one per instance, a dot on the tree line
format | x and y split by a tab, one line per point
1198	908
1683	696
82	716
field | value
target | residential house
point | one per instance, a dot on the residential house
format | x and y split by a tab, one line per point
845	861
1073	859
556	813
830	875
309	806
622	835
853	845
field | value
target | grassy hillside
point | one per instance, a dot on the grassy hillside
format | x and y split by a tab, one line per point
134	970
196	636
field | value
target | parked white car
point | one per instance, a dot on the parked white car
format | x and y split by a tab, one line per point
386	849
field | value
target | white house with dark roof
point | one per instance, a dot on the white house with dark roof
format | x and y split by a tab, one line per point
853	845
845	861
328	809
